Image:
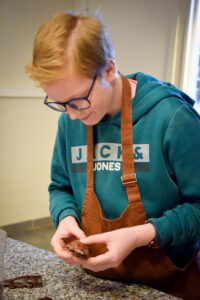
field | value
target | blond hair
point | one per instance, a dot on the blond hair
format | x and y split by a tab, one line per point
80	39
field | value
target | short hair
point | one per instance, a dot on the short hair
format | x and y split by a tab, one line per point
81	39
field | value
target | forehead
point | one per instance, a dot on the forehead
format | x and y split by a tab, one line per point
70	86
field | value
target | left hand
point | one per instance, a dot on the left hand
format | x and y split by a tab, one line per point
120	243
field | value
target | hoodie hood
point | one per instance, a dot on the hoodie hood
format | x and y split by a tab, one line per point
149	92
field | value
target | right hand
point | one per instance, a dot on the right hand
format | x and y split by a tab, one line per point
67	230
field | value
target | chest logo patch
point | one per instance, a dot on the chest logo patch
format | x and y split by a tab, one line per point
108	157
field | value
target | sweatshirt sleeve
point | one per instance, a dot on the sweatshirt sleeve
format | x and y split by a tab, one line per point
182	147
62	202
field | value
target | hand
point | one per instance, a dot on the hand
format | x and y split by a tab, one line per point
67	230
120	243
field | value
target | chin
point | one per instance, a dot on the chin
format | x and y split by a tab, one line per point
90	122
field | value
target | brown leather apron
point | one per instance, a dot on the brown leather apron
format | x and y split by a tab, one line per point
146	266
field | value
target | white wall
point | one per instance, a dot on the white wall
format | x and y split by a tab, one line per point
144	34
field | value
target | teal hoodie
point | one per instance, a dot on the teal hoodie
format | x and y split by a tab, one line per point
166	143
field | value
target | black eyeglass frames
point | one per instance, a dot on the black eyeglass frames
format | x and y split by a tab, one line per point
79	103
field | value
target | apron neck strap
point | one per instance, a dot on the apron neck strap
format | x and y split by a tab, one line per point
90	155
128	171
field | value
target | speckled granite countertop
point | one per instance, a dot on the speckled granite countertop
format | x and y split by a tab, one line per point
23	259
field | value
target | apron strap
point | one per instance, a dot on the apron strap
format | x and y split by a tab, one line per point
90	155
128	170
128	177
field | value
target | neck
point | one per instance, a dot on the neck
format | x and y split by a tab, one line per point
116	96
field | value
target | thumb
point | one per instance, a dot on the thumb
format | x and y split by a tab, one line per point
93	239
79	233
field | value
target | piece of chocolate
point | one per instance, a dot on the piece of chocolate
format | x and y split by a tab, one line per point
23	282
78	249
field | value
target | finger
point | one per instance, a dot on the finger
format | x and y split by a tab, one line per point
79	233
100	262
61	251
94	239
75	261
69	257
57	245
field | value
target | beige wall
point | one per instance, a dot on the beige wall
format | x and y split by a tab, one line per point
27	127
144	34
27	131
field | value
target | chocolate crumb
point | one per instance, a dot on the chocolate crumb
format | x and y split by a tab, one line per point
66	270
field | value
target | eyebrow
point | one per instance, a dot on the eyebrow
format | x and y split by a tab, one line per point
85	93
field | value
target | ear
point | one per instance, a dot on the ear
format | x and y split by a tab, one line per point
110	70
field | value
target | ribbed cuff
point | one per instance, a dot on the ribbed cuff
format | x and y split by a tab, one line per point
156	242
69	212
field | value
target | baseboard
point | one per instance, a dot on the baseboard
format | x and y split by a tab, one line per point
27	225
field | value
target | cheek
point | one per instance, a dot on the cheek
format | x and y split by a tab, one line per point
99	105
101	101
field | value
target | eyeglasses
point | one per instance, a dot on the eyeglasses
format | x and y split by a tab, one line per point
80	103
